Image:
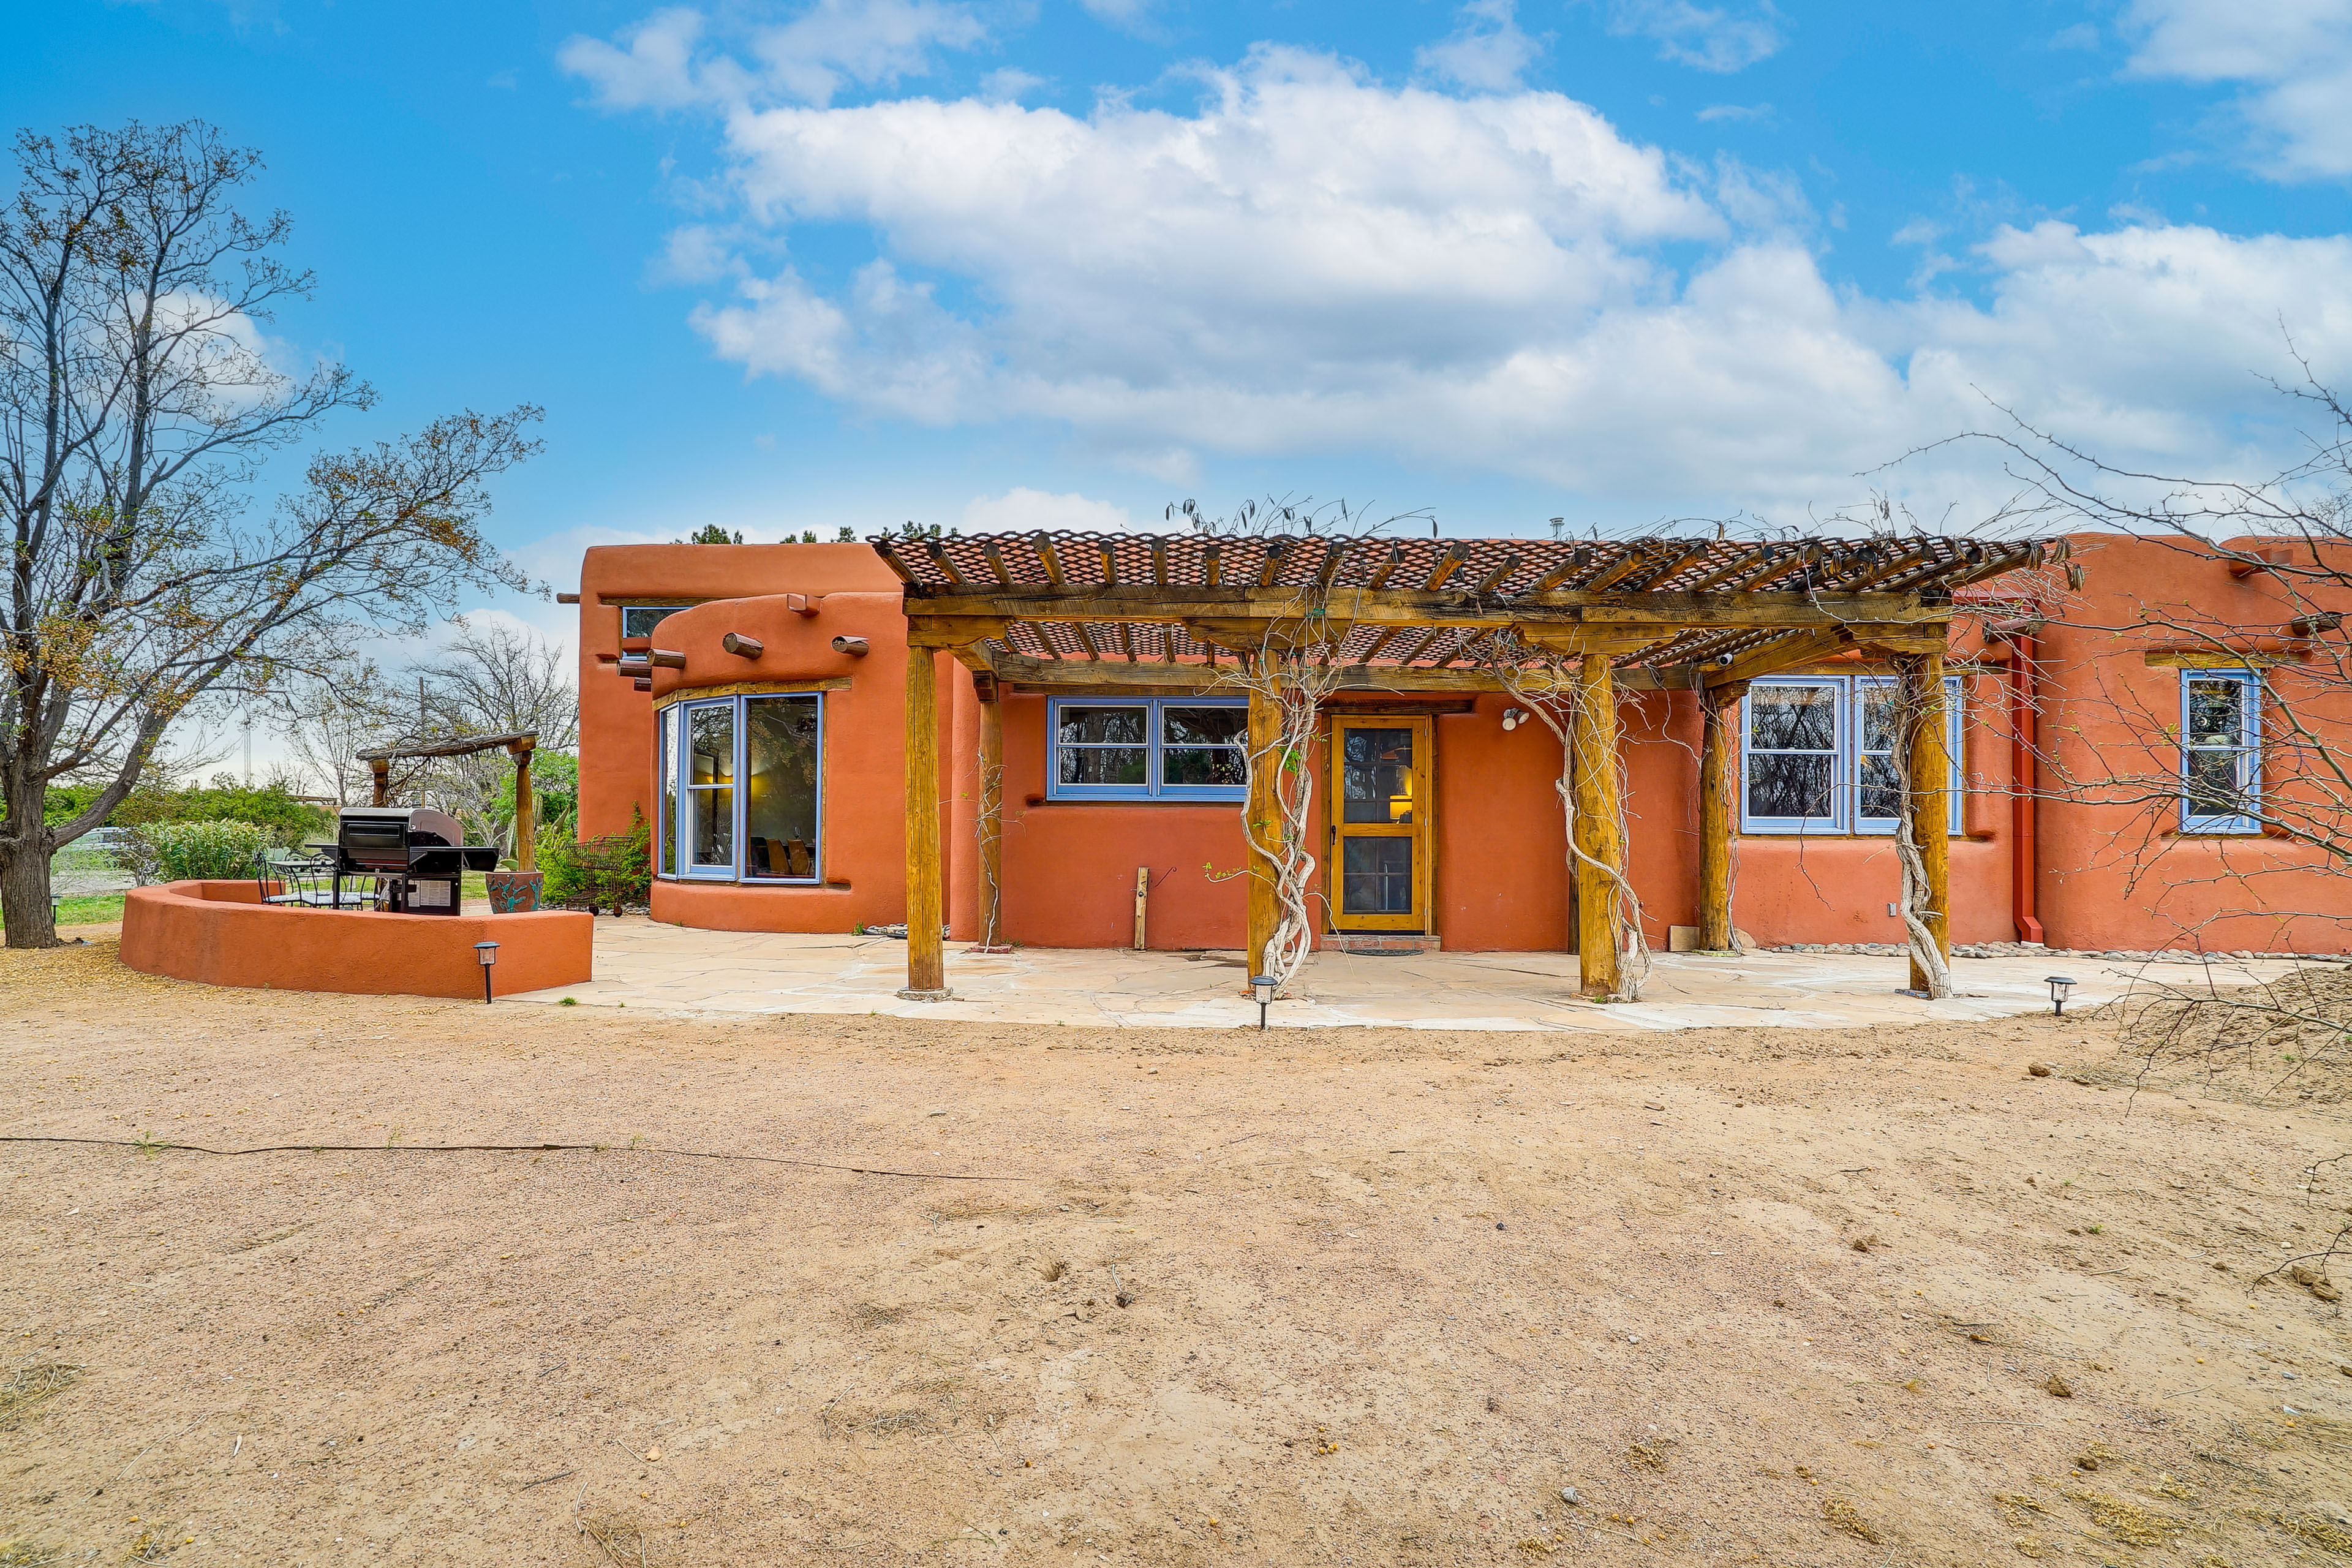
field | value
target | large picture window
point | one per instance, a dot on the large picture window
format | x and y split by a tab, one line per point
1819	754
1147	748
743	788
2220	751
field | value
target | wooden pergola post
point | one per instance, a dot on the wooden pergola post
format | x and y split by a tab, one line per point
1264	739
1718	798
1598	931
380	776
1930	805
992	821
526	818
926	967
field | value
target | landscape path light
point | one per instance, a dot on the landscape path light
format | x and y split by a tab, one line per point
488	951
1262	993
2059	985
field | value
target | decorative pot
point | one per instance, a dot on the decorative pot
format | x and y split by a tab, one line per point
513	892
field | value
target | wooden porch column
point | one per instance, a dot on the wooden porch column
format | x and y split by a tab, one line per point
526	816
925	970
1264	737
1719	796
992	822
1600	934
1931	797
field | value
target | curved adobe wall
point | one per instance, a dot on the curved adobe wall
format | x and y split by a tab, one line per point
617	757
221	933
864	822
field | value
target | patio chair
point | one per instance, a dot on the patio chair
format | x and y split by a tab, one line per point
305	881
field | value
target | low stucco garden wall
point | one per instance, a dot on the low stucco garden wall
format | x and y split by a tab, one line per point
221	933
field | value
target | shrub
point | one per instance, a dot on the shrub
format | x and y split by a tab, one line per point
188	851
613	872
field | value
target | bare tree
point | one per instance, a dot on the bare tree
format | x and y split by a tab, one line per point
137	402
2248	743
492	679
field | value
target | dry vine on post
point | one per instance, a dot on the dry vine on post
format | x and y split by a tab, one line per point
1288	669
1543	682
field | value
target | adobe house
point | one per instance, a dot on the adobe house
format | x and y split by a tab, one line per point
1011	733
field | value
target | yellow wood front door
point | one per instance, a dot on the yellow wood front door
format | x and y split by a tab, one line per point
1380	809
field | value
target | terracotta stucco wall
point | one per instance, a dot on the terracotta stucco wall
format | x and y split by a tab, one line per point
2122	874
2109	876
615	720
862	830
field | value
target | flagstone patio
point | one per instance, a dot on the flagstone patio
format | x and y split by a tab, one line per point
675	969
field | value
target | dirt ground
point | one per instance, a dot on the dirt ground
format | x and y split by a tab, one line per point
1158	1297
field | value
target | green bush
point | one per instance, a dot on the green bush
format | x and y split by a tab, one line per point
217	848
613	872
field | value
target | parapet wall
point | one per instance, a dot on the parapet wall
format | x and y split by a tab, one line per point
221	933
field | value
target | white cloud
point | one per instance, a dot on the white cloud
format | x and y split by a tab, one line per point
1020	510
1130	15
2293	57
1008	83
1714	111
1711	38
831	45
1310	261
1486	53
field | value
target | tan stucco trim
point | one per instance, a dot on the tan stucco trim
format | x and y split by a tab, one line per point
753	688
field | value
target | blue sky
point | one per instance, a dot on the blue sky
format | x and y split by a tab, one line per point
796	265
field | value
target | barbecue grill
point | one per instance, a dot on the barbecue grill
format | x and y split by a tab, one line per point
414	850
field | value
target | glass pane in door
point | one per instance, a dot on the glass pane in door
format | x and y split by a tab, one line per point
1376	877
1376	777
710	779
780	764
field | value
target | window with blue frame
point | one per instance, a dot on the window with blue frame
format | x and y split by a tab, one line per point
1818	754
1147	748
639	620
2220	751
742	786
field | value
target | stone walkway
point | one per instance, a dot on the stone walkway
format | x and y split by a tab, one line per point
677	970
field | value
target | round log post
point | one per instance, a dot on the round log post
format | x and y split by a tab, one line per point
1599	928
992	822
1930	804
1264	825
925	967
526	814
1718	798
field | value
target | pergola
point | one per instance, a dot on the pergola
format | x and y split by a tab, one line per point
1179	613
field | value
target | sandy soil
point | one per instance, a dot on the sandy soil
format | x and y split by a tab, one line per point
1347	1297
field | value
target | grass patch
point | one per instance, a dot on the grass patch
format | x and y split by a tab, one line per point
29	1383
98	908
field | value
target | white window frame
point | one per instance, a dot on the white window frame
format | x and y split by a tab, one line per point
1152	788
1845	768
2248	752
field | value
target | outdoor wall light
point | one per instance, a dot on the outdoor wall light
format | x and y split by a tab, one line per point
2059	985
1514	717
1262	993
488	951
